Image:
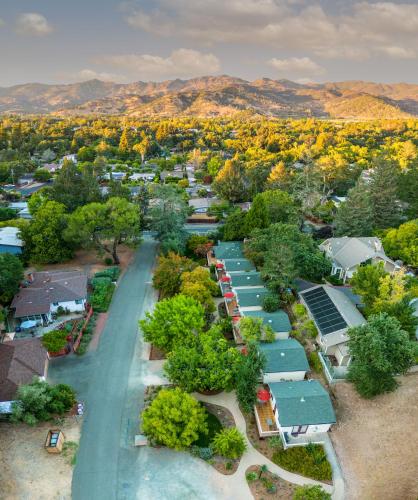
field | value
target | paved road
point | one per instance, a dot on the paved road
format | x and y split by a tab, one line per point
111	381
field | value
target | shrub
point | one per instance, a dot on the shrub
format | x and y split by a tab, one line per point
310	328
112	273
271	302
275	442
214	426
108	261
55	340
299	310
229	443
251	476
315	362
102	293
201	452
309	461
311	493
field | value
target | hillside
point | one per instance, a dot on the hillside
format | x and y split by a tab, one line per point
216	96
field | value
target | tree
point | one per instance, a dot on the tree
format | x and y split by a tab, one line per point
280	207
124	141
173	321
118	190
45	234
366	283
257	217
7	213
11	274
235	226
55	340
253	329
42	175
230	183
402	243
404	312
380	350
142	147
407	191
168	272
229	443
311	493
355	216
279	177
95	224
249	373
174	419
207	363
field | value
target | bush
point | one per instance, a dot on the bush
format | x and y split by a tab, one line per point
108	261
112	273
55	340
229	443
311	493
310	328
309	461
203	453
251	476
271	302
315	362
299	310
214	426
102	293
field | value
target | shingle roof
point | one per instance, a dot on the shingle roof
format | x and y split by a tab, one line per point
251	278
47	288
232	265
10	236
303	402
20	361
251	297
284	356
278	320
229	250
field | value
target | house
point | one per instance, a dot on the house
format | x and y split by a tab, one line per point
71	157
300	412
246	279
202	205
142	176
250	299
333	314
174	175
116	176
47	292
225	250
51	167
237	265
285	360
21	208
348	253
10	241
20	361
277	320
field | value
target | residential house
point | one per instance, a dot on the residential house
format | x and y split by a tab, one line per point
300	412
333	314
277	320
237	265
115	176
285	360
49	291
348	253
10	241
142	176
175	174
51	167
224	250
70	157
21	361
202	205
250	299
21	208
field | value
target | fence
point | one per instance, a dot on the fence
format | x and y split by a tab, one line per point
80	335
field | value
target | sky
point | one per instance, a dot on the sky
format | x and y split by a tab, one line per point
65	41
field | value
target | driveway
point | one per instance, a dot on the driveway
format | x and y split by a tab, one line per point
111	381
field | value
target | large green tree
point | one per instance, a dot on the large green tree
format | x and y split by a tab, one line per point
168	272
231	183
355	216
249	373
11	274
235	227
104	226
402	243
380	350
366	283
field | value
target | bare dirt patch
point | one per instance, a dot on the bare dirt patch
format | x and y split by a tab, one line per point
376	442
27	470
156	354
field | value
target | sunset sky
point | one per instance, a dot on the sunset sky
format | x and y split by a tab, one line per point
58	41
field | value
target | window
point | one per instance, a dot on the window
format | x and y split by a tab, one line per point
55	304
79	301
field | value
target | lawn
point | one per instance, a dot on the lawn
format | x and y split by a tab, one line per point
214	426
309	461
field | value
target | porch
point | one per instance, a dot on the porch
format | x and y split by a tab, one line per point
265	419
290	440
332	370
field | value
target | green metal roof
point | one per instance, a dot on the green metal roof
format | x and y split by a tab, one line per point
252	278
251	297
278	320
303	402
228	250
238	265
284	356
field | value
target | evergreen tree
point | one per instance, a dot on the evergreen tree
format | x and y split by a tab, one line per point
355	216
384	194
257	217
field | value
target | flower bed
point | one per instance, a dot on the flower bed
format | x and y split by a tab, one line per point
269	485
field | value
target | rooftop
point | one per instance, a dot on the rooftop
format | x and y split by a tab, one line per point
232	265
251	278
284	356
278	320
303	402
9	237
228	250
251	297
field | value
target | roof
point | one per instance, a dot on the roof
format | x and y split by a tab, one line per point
9	236
47	288
229	250
251	297
284	356
278	320
202	202
303	402
349	252
251	278
20	361
331	309
233	265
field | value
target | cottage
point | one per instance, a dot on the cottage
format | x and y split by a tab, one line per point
277	320
142	176
47	292
348	253
244	279
237	265
300	411
333	314
250	299
226	250
285	360
10	241
20	361
202	205
21	208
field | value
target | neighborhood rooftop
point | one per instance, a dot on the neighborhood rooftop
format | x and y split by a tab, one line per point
251	297
303	402
278	320
250	278
232	265
9	237
228	250
284	356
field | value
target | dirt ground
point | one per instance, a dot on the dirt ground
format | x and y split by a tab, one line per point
89	262
284	490
376	442
27	470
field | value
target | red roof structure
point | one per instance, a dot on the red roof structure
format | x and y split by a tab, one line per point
225	279
229	295
219	265
263	395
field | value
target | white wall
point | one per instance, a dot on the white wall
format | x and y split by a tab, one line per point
281	335
279	377
70	305
312	429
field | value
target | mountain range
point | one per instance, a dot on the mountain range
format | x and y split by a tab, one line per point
216	96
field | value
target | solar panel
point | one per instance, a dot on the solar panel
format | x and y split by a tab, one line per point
326	315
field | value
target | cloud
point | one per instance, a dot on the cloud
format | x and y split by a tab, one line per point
295	66
89	74
181	63
32	24
351	30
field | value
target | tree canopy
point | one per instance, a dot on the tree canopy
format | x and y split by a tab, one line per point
11	274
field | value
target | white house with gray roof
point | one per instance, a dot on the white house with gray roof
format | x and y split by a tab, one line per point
347	253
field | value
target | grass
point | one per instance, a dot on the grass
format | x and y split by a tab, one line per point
214	426
309	461
69	451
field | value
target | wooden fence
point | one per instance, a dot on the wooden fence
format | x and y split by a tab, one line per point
80	335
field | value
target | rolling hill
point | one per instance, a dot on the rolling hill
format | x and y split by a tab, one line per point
216	96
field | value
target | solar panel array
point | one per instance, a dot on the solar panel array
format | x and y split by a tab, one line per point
326	315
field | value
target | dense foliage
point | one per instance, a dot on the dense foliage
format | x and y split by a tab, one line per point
229	443
11	274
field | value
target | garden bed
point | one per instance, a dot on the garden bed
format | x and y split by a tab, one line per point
269	485
156	354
